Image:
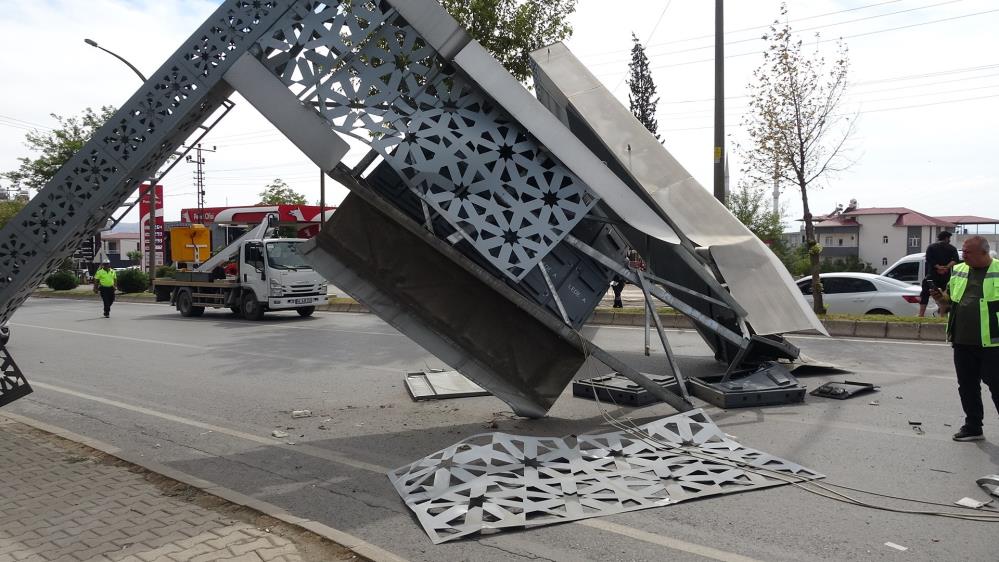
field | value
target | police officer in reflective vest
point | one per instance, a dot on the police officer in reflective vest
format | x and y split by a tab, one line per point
973	329
105	282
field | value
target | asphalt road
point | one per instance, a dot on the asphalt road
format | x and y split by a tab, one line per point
204	394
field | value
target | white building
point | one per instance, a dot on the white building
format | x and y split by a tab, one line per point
116	246
882	235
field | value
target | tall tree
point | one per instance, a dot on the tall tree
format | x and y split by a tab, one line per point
55	147
280	193
511	29
797	132
751	207
642	98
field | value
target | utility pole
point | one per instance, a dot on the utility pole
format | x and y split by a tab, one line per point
719	169
199	175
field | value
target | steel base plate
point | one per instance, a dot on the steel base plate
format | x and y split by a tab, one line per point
619	390
770	385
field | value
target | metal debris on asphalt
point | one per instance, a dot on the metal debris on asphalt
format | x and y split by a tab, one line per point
301	413
990	484
843	390
279	434
972	503
496	481
896	546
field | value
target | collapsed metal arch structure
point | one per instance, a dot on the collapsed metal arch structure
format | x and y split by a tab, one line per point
482	224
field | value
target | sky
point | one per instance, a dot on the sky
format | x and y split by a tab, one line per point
923	79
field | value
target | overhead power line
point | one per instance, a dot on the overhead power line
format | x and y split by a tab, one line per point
855	35
799	31
734	31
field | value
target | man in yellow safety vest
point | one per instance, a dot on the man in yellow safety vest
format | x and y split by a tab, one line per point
105	282
973	330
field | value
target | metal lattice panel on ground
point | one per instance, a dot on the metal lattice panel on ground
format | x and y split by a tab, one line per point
13	385
372	76
496	481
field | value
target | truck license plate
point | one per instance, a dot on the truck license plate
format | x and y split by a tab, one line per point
300	301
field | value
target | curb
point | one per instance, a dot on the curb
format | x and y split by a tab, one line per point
356	545
608	317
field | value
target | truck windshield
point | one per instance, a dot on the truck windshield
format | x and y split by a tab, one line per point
284	255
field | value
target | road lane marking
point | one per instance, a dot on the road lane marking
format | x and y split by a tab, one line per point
637	534
269	441
668	542
126	338
208	349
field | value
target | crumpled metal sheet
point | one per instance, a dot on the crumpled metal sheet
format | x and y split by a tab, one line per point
754	275
496	481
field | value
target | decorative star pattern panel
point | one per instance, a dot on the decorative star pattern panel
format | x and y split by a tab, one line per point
373	77
497	481
13	385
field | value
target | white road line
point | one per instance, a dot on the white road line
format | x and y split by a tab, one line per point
637	534
668	542
127	338
268	441
206	349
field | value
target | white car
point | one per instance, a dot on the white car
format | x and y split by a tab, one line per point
866	293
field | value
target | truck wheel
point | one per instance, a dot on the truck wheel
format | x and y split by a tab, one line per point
186	305
252	310
305	311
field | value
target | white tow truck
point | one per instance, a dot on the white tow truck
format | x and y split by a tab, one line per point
270	274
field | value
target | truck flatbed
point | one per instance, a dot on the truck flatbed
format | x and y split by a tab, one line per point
218	284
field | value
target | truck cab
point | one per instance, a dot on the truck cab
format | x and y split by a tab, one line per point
273	272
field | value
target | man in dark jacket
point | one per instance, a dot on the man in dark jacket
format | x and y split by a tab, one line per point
940	257
973	329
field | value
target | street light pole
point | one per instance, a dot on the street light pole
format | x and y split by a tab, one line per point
152	180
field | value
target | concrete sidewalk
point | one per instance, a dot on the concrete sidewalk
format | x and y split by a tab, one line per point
61	500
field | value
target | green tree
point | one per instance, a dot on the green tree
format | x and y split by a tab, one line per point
511	29
751	207
279	193
55	147
796	129
642	99
8	209
135	256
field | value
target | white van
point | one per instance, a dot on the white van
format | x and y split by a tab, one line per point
910	269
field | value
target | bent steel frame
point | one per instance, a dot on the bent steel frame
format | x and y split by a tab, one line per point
468	172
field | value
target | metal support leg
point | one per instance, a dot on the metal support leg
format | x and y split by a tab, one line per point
673	365
657	292
680	404
648	322
554	293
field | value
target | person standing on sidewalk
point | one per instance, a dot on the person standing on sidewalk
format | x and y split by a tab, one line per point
973	330
106	282
940	257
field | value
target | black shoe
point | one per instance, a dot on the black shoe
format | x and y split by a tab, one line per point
968	435
107	315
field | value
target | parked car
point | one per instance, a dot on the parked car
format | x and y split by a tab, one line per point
866	293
